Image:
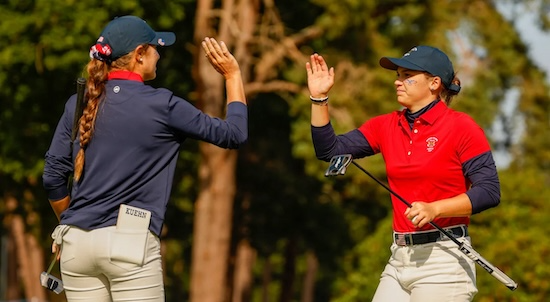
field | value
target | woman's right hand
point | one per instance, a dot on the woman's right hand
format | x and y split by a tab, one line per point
320	78
221	59
56	249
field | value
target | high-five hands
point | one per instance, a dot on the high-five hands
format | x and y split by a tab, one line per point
320	77
220	58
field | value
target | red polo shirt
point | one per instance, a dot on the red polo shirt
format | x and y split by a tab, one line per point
425	163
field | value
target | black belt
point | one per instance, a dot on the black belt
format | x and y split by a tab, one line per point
429	236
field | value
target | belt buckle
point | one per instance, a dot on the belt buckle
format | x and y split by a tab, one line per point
443	236
451	231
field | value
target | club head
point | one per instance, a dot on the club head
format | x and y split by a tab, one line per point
52	283
338	165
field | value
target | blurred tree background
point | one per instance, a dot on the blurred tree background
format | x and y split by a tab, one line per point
292	234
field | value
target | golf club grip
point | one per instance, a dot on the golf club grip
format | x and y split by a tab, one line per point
493	270
79	108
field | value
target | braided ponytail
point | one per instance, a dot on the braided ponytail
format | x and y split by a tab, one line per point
97	71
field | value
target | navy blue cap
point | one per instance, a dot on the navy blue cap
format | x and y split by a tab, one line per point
428	59
123	34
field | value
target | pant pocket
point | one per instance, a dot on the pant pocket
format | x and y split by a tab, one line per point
127	248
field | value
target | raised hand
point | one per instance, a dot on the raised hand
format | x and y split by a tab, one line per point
320	78
221	59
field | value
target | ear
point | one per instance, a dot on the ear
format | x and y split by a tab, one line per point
139	53
436	83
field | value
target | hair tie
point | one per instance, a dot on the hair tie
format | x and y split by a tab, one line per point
101	52
454	88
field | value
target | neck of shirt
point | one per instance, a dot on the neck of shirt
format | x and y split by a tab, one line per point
411	117
124	75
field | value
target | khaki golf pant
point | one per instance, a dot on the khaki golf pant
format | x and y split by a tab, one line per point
431	272
94	266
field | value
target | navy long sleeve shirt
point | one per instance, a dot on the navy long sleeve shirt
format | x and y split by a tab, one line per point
132	155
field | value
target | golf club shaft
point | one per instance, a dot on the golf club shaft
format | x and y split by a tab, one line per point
467	250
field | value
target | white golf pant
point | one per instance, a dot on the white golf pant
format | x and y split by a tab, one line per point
431	272
91	271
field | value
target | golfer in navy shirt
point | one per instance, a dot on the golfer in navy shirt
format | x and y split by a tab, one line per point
125	154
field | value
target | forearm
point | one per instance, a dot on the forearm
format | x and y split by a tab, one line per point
234	88
60	205
319	115
458	206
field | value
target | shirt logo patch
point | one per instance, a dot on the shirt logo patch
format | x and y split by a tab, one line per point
430	143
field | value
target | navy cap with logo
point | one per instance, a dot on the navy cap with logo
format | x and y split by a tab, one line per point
428	59
123	34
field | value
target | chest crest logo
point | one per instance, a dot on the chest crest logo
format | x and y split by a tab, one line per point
430	143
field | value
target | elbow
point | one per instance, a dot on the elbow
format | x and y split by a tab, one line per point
56	187
323	157
496	200
238	142
49	183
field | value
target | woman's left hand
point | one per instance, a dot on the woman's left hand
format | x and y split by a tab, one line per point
320	77
220	58
421	213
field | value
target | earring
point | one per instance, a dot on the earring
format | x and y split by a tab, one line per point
141	59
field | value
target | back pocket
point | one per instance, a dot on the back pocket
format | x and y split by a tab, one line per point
127	248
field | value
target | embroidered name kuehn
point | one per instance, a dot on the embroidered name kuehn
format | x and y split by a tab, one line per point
137	213
430	143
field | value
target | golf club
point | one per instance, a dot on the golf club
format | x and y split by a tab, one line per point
338	166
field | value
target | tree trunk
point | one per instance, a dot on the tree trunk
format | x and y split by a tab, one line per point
244	262
12	280
29	259
212	228
312	266
214	205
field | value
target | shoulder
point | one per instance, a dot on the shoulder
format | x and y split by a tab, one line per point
157	96
157	92
381	125
461	119
391	117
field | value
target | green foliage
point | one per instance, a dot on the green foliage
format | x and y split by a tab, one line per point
491	60
282	193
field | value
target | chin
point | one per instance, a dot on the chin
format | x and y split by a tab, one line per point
150	77
402	102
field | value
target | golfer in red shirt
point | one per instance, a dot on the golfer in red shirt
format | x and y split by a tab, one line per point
436	158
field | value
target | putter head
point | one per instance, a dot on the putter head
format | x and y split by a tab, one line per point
52	283
338	165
